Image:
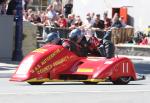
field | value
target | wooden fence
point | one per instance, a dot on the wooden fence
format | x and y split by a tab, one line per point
121	35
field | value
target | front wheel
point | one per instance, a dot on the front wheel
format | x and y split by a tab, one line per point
35	83
122	81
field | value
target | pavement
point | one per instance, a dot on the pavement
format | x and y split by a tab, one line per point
8	67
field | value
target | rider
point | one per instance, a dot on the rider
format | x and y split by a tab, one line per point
77	42
53	38
103	47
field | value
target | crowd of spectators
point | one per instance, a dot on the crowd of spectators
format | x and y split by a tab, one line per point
62	17
9	6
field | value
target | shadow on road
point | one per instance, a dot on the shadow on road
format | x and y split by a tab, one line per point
59	84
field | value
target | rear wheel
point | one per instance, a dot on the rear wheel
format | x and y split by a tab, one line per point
122	81
35	83
90	83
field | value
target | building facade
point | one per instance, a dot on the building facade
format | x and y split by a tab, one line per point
136	11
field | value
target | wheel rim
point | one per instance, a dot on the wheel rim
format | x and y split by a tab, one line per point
125	79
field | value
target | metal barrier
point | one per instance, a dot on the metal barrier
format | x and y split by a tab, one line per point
118	35
63	32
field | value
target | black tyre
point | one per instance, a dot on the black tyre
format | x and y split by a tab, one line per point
35	83
90	83
122	81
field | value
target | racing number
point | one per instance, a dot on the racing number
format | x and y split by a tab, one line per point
125	67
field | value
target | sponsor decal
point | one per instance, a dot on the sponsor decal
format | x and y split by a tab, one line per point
47	68
51	56
40	50
39	67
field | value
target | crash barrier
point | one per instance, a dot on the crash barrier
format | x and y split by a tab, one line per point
29	42
6	36
121	35
64	32
132	50
118	35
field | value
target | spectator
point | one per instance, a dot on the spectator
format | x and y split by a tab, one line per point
26	4
68	8
51	13
122	21
12	6
107	21
25	16
31	17
71	21
99	24
44	20
36	19
116	22
62	22
3	6
1	1
57	6
88	23
92	15
78	21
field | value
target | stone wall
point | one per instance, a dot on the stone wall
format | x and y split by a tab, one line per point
29	38
132	50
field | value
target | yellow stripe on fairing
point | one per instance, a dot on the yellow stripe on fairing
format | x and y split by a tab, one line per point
85	70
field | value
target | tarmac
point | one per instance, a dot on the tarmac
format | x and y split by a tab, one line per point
8	67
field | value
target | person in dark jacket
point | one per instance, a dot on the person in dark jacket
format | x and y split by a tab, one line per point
78	43
68	8
12	6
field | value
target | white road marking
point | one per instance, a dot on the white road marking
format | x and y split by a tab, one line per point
64	92
7	71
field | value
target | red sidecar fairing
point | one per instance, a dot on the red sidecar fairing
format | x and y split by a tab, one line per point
53	62
100	69
44	61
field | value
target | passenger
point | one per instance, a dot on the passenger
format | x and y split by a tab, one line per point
107	49
93	44
103	48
